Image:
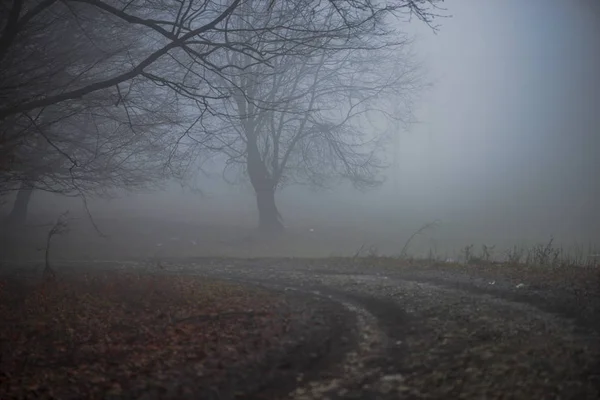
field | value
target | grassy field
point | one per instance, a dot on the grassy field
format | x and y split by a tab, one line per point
159	237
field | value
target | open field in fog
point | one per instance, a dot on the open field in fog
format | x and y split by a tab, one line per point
146	238
138	237
170	224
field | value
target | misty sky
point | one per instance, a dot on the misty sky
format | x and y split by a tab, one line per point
512	123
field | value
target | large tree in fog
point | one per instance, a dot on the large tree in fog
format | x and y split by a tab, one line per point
318	114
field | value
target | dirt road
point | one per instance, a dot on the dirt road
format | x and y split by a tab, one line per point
436	336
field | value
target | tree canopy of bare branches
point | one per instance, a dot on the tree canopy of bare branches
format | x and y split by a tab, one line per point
96	94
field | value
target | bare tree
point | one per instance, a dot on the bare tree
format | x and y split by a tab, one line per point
94	151
121	135
314	117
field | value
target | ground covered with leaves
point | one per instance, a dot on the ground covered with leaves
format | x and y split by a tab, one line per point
117	334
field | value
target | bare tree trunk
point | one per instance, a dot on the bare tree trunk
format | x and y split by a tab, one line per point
269	219
18	214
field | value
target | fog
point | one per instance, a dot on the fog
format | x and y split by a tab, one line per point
503	152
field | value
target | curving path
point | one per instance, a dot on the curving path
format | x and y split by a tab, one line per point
433	336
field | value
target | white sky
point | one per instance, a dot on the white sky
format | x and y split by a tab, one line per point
513	121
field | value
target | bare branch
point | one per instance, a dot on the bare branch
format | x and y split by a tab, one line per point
132	73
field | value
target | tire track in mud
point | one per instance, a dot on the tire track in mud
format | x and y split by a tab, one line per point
367	370
447	342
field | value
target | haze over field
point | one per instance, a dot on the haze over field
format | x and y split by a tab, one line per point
504	152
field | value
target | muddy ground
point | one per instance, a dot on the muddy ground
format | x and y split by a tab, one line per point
424	331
